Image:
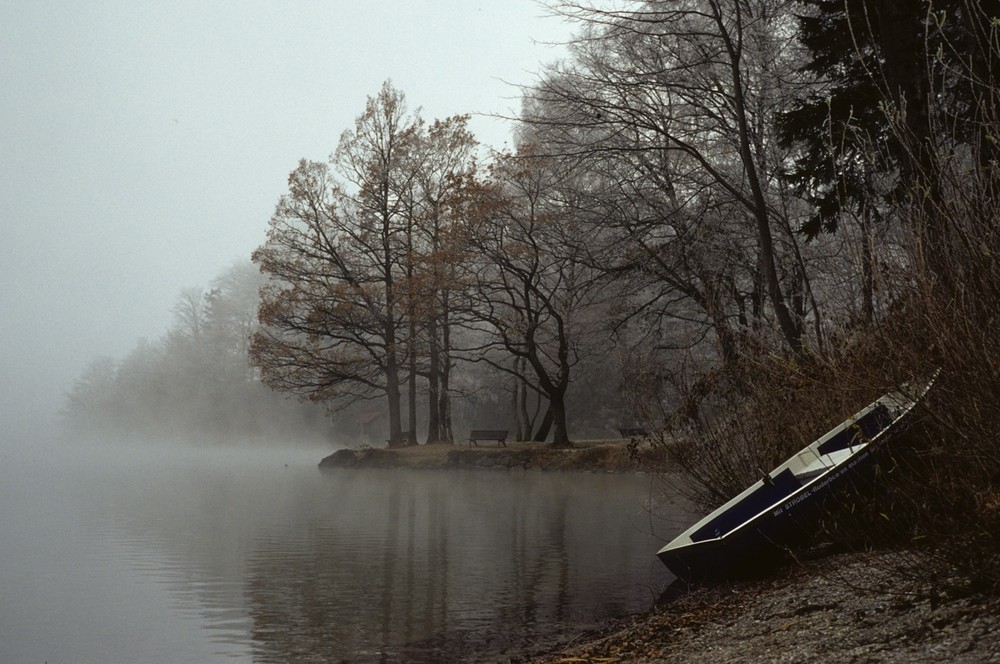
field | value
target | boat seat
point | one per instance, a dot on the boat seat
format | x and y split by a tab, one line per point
808	476
862	431
819	465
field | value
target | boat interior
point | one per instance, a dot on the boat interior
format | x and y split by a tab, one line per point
812	462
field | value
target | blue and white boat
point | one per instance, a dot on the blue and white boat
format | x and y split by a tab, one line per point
754	528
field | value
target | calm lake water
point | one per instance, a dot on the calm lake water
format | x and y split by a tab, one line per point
183	555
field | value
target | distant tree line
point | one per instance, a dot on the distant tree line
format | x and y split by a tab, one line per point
194	383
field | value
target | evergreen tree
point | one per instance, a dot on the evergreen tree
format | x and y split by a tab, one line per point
888	75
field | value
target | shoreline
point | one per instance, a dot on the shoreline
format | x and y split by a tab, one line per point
610	456
838	609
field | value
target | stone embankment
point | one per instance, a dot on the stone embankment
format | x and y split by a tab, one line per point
593	456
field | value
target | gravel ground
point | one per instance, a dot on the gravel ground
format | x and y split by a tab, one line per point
838	609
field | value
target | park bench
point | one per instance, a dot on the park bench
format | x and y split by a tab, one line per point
404	436
499	435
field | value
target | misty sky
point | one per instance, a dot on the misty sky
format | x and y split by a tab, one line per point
144	145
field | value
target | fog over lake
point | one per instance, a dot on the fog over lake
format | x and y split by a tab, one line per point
185	554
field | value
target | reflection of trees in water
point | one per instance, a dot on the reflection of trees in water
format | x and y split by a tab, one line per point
301	566
336	589
540	565
455	567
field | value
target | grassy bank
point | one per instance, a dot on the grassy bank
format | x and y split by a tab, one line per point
593	456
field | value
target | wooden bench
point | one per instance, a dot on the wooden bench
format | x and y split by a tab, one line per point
499	435
404	437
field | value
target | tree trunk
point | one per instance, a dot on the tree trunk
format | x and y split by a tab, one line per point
411	388
867	268
392	385
444	412
444	408
392	396
433	385
527	422
515	408
768	262
901	42
544	427
560	432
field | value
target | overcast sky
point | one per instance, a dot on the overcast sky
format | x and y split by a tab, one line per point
144	145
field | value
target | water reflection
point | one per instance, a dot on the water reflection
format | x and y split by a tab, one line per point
406	566
289	564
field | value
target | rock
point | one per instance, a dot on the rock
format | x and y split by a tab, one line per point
344	458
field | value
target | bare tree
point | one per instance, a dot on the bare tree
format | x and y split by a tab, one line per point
671	103
190	312
447	154
231	311
532	288
333	311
